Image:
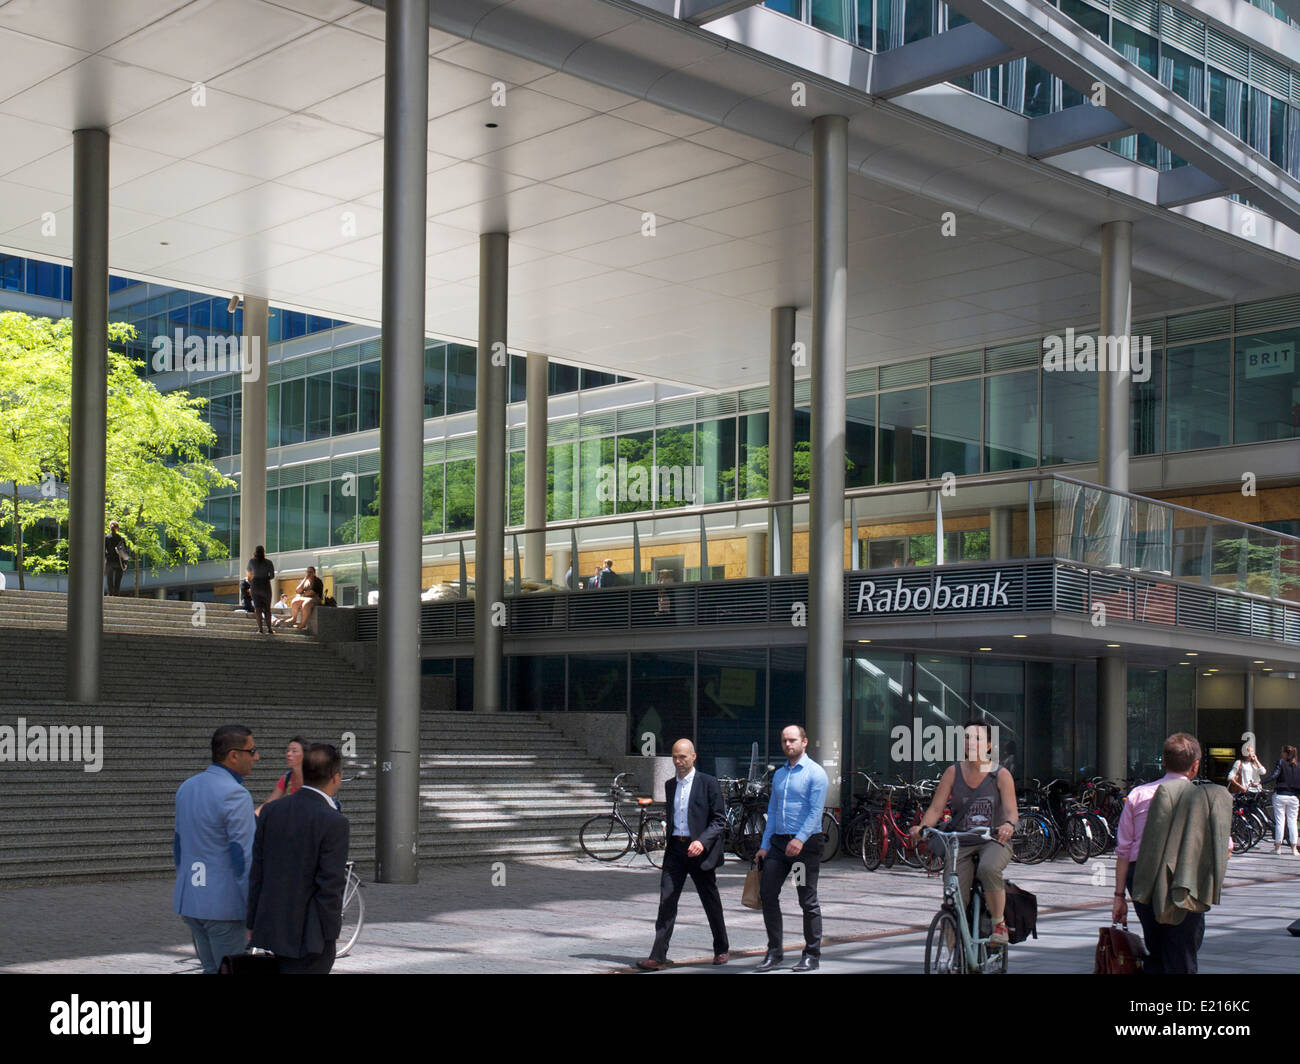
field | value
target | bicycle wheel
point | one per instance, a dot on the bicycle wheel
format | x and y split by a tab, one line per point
751	836
871	843
654	840
1101	840
354	915
1029	840
851	835
909	850
605	837
1242	836
831	829
943	949
1078	838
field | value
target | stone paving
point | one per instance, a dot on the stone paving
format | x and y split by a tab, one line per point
573	915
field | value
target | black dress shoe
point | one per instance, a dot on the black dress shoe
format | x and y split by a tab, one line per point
770	960
806	964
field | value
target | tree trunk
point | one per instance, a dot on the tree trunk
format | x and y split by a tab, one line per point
18	539
139	517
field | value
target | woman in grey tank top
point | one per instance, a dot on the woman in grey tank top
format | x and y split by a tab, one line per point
982	796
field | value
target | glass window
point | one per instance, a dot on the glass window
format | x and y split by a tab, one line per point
536	683
788	666
754	456
802	449
345	401
955	437
833	16
461	370
561	379
860	441
591	378
1277	132
598	683
1011	421
516	487
864	38
1268	387
368	405
1197	400
1137	47
1144	406
318	514
638	484
1229	103
918	20
291	500
1095	22
1049	747
942	703
715	456
880	684
432	494
663	704
1184	74
675	449
368	508
598	478
903	425
293	411
562	474
1146	723
998	696
435	380
1039	85
343	510
319	412
219	518
732	699
460	495
272	531
1070	417
219	315
219	419
518	379
1085	720
1180	703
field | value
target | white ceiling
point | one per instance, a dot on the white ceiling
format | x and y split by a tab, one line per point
273	186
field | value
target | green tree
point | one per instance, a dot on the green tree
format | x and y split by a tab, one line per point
157	478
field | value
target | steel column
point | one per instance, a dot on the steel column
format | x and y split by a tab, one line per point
780	439
252	448
535	464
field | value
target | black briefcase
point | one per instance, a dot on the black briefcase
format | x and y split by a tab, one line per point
250	964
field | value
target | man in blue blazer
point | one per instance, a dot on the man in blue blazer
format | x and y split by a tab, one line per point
696	820
295	893
213	845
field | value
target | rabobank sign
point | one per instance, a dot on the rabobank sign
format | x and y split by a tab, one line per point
940	594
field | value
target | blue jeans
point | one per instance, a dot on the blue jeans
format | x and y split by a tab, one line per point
214	939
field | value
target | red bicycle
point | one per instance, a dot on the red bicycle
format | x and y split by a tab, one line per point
886	839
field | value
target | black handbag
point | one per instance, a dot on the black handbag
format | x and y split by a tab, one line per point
250	964
1294	928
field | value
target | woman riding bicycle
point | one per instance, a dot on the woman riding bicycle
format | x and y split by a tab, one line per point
983	796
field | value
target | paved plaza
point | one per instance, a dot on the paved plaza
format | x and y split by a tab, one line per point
574	915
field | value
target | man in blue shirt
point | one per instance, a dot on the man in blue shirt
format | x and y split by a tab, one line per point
213	848
793	840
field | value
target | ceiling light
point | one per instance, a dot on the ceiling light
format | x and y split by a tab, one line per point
1265	670
1258	661
986	648
1020	637
1113	646
864	640
1184	663
1191	653
490	125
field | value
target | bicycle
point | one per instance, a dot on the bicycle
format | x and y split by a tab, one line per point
746	814
354	912
885	839
608	836
953	946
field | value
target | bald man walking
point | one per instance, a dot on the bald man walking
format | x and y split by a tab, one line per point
696	819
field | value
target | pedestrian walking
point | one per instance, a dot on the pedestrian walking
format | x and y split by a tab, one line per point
115	559
300	854
1246	774
793	840
1171	853
1286	799
212	847
263	572
697	819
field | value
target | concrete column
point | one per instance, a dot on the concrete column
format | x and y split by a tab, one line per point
490	470
1112	717
999	534
86	443
559	565
1112	472
780	439
401	438
1250	705
252	458
161	593
825	676
535	470
755	554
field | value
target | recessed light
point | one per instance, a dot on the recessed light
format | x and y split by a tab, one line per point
1259	661
1191	653
164	243
1184	663
986	648
1265	670
864	640
490	125
1214	670
1020	637
1113	646
1207	674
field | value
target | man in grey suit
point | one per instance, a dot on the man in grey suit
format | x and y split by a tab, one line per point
696	820
212	847
295	891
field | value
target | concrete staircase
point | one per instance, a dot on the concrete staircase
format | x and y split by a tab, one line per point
490	787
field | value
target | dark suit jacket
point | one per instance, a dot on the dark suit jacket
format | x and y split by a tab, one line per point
295	888
706	816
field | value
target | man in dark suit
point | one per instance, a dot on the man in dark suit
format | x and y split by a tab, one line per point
696	820
295	889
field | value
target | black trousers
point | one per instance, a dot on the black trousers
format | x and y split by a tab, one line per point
776	867
677	866
312	964
113	569
1172	948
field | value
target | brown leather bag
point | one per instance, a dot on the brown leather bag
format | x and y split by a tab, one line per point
1119	951
753	878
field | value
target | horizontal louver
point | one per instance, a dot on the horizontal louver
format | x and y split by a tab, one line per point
1268	313
1152	327
290	475
675	412
1180	28
711	406
461	447
1198	324
317	470
563	430
370	350
863	380
1270	75
1143	13
803	391
1227	53
435	451
753	399
600	424
369	463
637	419
347	356
517	439
915	372
342	466
966	364
1014	356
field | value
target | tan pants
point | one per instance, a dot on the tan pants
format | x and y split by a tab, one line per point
993	858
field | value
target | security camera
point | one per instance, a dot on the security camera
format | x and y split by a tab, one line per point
233	305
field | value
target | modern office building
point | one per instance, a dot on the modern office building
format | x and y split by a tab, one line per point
907	360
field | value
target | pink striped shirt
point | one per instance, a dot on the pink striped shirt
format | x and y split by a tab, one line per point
1132	821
